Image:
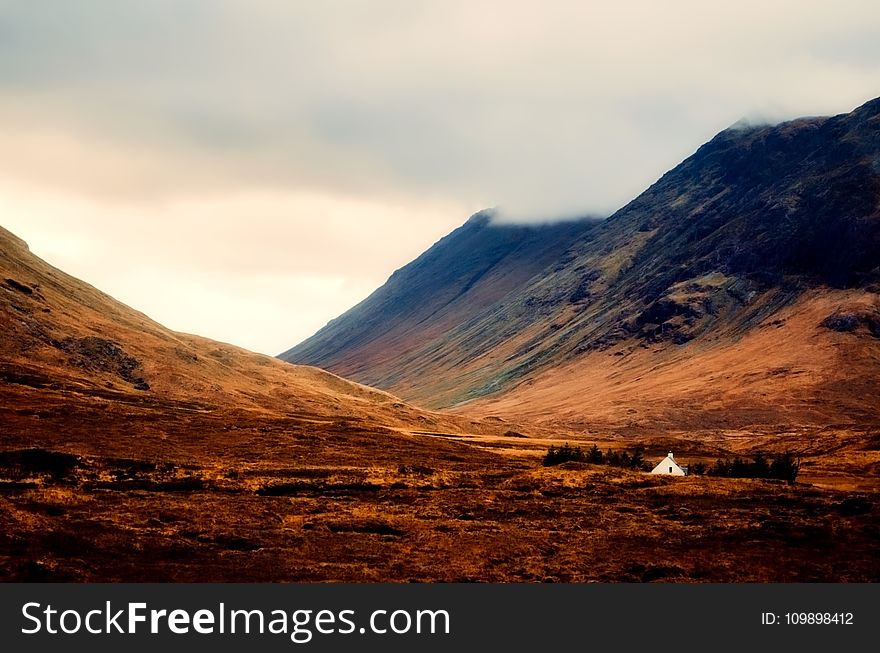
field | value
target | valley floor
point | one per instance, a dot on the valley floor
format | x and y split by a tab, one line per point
111	491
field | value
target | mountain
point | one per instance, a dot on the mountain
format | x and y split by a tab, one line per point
131	453
478	265
741	288
64	341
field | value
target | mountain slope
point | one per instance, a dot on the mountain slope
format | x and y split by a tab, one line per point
760	225
479	264
62	337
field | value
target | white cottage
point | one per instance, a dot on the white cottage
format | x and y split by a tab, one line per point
669	467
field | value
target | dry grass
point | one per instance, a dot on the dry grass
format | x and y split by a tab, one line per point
789	376
236	467
164	496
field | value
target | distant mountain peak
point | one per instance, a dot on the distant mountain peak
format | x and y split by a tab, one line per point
756	219
481	218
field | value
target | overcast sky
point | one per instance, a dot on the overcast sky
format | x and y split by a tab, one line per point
249	169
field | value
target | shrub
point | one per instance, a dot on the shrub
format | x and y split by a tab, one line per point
637	460
26	462
784	466
565	453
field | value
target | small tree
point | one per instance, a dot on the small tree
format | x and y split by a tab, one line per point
637	460
720	468
760	468
565	453
785	467
739	468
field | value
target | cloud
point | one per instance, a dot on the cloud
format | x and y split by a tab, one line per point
564	106
262	269
547	109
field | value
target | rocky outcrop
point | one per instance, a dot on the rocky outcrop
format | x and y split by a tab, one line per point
101	355
854	322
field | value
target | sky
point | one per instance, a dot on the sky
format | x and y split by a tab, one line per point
247	170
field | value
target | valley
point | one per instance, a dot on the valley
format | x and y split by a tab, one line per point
116	492
731	310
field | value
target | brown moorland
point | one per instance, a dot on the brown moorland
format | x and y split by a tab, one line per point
132	453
